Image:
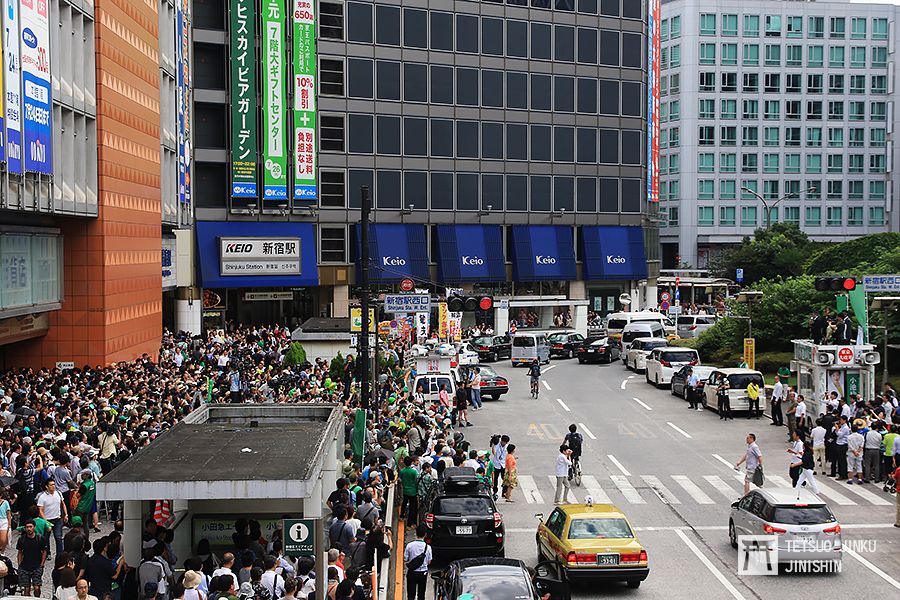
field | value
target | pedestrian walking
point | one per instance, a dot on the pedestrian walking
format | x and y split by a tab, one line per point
32	554
753	460
897	494
475	387
462	406
778	392
888	443
692	383
818	447
52	508
409	479
753	395
807	466
498	460
417	556
563	464
510	475
796	452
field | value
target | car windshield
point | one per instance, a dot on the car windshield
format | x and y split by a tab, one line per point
464	506
482	341
599	528
742	380
524	341
486	371
703	373
801	515
633	335
595	341
558	337
617	324
685	320
680	356
652	345
495	582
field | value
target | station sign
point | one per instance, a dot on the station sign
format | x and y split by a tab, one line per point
407	303
881	283
259	256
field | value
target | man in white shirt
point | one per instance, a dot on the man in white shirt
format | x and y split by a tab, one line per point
563	463
52	508
796	451
778	394
271	580
225	569
855	455
800	413
818	443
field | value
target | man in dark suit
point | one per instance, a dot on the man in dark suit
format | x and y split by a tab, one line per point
844	328
817	328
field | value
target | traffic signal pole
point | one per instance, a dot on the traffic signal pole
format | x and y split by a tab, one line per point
365	208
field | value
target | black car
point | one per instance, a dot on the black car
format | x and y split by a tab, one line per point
492	347
598	349
680	377
565	344
461	516
498	579
492	385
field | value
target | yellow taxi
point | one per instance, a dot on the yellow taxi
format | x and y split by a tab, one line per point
592	541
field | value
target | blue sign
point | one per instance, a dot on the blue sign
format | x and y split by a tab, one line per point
664	306
396	251
613	252
407	303
470	254
543	253
740	275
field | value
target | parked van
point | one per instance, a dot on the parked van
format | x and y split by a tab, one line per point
690	326
641	329
664	362
529	346
738	380
616	322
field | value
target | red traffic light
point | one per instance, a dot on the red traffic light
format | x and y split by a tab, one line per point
486	303
849	284
835	284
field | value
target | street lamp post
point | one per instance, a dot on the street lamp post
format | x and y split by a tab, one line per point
768	208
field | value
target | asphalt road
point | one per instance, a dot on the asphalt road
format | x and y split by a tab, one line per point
669	469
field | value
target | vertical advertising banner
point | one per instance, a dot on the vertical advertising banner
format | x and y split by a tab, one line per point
35	35
183	82
456	326
275	173
443	321
243	99
304	140
653	102
12	102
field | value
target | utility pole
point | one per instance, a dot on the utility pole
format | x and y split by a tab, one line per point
364	265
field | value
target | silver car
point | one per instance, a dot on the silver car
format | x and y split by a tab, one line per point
803	525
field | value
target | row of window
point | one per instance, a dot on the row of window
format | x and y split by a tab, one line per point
411	136
793	56
775	25
471	34
771	110
773	163
487	88
772	189
436	190
752	217
671	137
793	83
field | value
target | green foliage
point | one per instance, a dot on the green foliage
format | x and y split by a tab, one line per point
296	355
336	370
386	361
781	250
770	362
858	256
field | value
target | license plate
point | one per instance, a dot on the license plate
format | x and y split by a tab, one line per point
463	530
605	560
804	539
590	350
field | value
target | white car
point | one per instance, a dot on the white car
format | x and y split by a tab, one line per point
466	354
664	362
636	354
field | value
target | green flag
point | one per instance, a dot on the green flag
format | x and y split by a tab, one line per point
208	389
358	444
858	303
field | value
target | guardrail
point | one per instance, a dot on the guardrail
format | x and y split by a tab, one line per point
383	570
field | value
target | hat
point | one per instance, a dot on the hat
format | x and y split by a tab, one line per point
26	439
76	521
150	588
43	451
192	579
86	472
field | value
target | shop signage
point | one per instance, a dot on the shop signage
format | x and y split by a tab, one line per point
356	323
35	48
267	296
275	172
183	82
169	279
243	101
304	139
63	365
11	75
259	256
653	58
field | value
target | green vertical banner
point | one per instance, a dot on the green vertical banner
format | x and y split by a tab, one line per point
275	173
243	99
304	100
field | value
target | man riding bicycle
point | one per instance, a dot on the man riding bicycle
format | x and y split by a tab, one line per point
574	441
535	372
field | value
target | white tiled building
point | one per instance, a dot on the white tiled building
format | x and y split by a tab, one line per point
778	96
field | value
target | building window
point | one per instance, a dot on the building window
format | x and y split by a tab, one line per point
332	188
773	26
728	136
835	163
674	110
794	27
675	83
751	82
876	216
856	163
707	24
727	163
663	112
707	54
835	84
813	216
817	27
705	189
879	58
876	190
857	111
877	138
707	109
333	242
663	85
814	57
771	136
813	163
835	190
726	216
792	214
878	111
835	137
771	163
857	28
773	82
729	25
751	25
793	56
750	136
876	163
331	133
331	20
674	193
792	110
748	216
729	54
729	109
770	189
751	109
749	184
814	190
773	55
663	164
749	163
879	29
791	163
751	55
879	84
707	82
664	30
834	216
674	160
857	84
663	195
674	138
837	28
793	83
814	110
836	111
858	57
857	137
706	162
331	77
729	82
855	190
773	109
676	56
836	56
814	83
727	189
664	58
813	136
705	216
791	136
673	216
707	135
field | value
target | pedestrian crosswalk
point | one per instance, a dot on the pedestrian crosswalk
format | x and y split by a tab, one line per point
677	490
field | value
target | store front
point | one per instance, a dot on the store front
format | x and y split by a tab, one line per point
613	261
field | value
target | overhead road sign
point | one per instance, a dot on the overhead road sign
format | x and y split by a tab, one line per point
407	303
881	283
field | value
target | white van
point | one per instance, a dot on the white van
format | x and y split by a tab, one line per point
642	329
690	326
616	322
529	346
664	362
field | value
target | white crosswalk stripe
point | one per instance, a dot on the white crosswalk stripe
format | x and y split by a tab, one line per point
778	480
627	489
867	495
530	489
661	490
729	492
693	489
829	492
592	487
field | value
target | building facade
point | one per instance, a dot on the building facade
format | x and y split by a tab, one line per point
783	99
503	145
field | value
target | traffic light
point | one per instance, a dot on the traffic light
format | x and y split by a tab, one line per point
835	284
469	303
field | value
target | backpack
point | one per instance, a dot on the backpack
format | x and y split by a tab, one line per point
575	440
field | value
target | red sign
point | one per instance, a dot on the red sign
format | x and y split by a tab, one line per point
845	355
407	285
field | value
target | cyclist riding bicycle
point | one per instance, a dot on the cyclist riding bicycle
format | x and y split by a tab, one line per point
574	440
535	372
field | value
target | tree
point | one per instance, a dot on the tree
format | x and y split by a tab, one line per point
781	250
858	256
296	355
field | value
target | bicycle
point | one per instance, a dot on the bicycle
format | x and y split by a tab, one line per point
575	471
535	387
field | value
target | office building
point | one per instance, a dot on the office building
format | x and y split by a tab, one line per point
784	99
